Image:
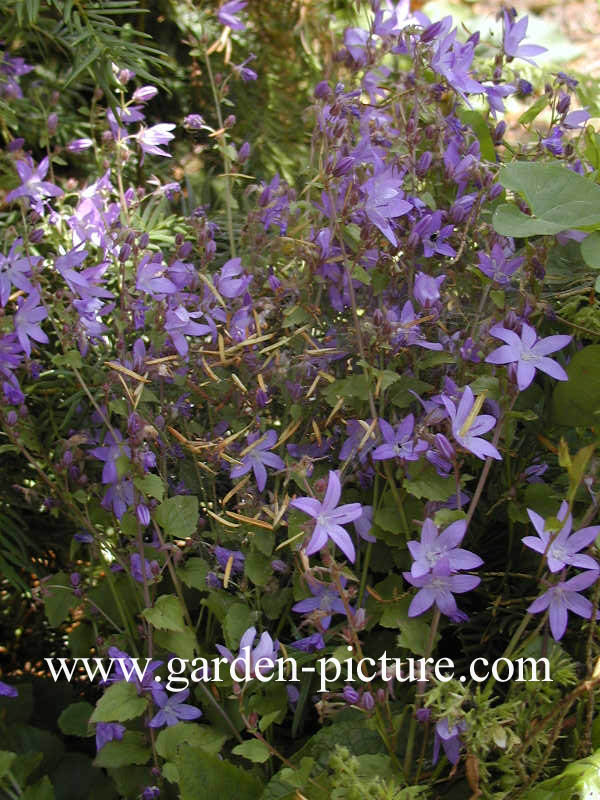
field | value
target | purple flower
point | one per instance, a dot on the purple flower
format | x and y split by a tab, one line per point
33	185
427	289
385	200
119	497
149	139
150	278
554	142
257	458
467	428
179	323
309	644
514	33
529	353
151	568
143	94
562	547
453	60
227	14
194	122
228	283
27	322
439	586
325	599
265	649
7	691
108	732
122	661
398	441
576	118
364	524
330	518
433	548
222	554
110	453
14	271
497	266
79	145
173	709
449	738
564	597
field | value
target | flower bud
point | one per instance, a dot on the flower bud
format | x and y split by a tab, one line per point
144	93
52	123
143	514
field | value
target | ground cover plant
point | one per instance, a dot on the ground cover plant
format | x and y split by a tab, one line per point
348	412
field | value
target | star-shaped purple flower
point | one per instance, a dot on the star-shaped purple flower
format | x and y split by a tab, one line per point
514	33
173	709
398	442
14	271
449	738
497	266
528	353
439	586
467	429
257	458
108	732
435	546
325	599
228	12
27	322
564	597
248	657
385	201
562	548
330	518
33	186
180	323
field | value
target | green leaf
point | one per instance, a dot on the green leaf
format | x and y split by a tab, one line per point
74	720
558	198
151	485
239	618
166	614
254	750
387	519
42	790
194	573
428	484
534	110
132	749
579	780
258	568
60	600
201	737
575	401
178	516
481	129
119	703
590	250
6	759
182	643
217	778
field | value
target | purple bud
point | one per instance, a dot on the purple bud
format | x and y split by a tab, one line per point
322	90
194	122
186	249
499	132
431	32
15	145
244	152
52	123
144	93
229	121
143	241
279	566
495	191
143	514
79	145
563	104
124	252
351	696
343	166
367	701
75	578
11	418
524	88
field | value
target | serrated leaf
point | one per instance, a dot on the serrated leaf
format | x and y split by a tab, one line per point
217	778
202	737
119	703
132	749
558	198
74	719
151	485
166	614
254	750
194	573
178	516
